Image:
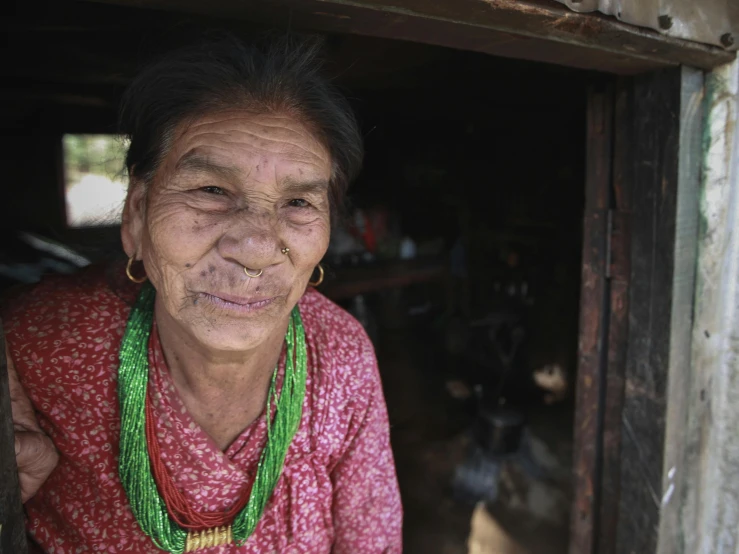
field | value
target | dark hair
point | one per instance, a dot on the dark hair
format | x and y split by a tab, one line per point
274	74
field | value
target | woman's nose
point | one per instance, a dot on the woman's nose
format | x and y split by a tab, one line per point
252	242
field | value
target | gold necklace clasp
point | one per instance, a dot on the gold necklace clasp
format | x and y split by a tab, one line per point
206	538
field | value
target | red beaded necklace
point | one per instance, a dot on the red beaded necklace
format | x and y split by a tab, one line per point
177	506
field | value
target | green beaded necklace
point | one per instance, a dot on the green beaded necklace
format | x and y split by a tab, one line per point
134	466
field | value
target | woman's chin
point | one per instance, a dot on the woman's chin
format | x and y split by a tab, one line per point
233	338
227	326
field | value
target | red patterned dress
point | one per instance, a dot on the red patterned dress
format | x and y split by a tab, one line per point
338	491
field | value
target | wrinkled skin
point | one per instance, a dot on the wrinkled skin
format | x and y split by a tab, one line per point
234	189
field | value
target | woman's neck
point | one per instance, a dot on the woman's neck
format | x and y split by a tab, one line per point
224	392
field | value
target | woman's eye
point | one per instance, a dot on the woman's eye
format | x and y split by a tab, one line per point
299	203
213	190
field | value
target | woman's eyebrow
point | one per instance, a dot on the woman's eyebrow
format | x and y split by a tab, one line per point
195	162
304	187
198	163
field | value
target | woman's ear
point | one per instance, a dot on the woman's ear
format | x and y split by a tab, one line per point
134	218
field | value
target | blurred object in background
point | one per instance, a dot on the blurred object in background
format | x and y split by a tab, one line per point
408	249
345	249
553	379
361	311
26	257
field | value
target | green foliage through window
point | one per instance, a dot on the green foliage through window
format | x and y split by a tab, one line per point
95	179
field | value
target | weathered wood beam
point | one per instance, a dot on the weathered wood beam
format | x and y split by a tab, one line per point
700	504
540	30
619	276
666	129
636	317
680	375
592	363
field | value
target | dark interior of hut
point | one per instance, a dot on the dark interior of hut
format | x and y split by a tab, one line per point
459	251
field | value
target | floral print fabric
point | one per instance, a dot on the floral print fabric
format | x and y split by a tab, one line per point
338	491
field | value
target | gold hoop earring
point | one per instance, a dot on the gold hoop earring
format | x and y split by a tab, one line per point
253	275
321	275
130	275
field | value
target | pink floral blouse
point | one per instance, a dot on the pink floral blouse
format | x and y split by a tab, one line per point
338	491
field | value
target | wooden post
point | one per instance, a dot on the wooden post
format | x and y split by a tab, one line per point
655	129
594	316
636	310
700	500
12	519
618	276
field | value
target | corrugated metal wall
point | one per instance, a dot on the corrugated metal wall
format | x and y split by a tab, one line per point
708	21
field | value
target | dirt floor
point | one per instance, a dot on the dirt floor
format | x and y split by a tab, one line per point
430	438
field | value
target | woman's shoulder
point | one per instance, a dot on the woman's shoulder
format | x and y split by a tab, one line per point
331	327
342	354
60	299
344	381
69	319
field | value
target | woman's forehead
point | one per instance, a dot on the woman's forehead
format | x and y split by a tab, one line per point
246	142
239	133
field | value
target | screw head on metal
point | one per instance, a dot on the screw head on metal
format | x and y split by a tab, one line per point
665	22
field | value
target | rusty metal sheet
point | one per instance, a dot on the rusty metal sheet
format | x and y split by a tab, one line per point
713	22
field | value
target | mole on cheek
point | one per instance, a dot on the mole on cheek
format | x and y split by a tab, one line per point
188	265
203	273
211	269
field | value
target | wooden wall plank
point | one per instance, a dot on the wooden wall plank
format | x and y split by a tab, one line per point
647	319
619	277
654	158
680	376
593	324
701	498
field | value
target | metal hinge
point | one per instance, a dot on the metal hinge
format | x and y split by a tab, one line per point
609	242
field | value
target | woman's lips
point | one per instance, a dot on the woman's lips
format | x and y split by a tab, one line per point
237	303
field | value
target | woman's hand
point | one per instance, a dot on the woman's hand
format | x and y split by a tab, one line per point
34	451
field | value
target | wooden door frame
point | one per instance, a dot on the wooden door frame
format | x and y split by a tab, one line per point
638	283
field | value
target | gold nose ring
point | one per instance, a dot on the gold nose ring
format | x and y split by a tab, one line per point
252	275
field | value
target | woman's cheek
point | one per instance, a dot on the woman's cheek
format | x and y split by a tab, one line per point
182	235
310	243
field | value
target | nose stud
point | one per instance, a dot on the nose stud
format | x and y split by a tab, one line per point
252	275
285	251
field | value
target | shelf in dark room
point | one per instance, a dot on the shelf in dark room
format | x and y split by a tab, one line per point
343	283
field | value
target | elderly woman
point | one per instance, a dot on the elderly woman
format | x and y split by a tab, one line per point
203	396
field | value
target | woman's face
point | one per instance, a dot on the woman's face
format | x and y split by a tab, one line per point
234	189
